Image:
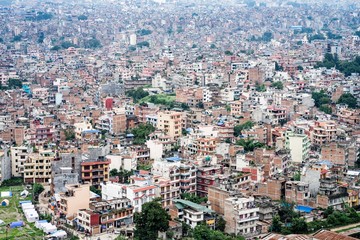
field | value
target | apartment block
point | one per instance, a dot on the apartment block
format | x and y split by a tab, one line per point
74	198
299	145
95	172
37	167
241	216
18	157
170	123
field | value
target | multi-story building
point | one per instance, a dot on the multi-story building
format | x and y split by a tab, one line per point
95	172
241	216
170	123
5	165
37	167
167	191
324	132
191	213
74	198
331	195
206	177
18	157
138	194
297	192
40	134
180	174
299	145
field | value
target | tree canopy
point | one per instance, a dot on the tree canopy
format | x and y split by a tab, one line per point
277	85
202	232
137	94
249	144
349	99
194	198
141	133
346	67
152	219
245	126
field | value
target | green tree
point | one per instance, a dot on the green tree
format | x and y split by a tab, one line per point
193	198
17	38
326	109
137	94
267	36
320	98
141	133
37	190
349	99
114	172
95	190
220	224
82	17
299	226
228	53
152	219
249	144
278	67
143	44
260	87
92	43
245	126
278	85
69	134
14	83
276	225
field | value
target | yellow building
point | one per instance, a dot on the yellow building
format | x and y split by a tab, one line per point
37	167
76	197
170	123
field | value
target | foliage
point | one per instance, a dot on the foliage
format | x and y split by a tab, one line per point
41	16
220	224
13	83
143	44
193	198
289	221
152	219
320	98
278	67
267	36
228	53
46	216
357	33
14	181
318	36
297	176
123	174
95	190
326	109
202	232
67	44
200	105
141	133
276	224
184	106
144	32
245	126
330	35
132	48
260	88
212	46
137	94
300	68
69	134
249	144
346	67
349	99
37	190
55	48
41	37
82	17
92	43
17	38
277	85
163	99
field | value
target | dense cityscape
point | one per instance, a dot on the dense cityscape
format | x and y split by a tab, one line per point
180	119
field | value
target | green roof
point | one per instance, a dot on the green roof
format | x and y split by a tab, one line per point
185	203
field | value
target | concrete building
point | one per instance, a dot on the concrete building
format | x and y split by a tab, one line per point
299	145
74	198
138	194
18	157
37	167
241	216
5	165
170	123
95	172
192	214
297	192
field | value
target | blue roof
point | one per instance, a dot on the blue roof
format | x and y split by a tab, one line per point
306	209
173	159
130	135
326	162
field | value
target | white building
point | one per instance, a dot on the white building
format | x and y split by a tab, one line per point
241	216
18	156
141	192
299	145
